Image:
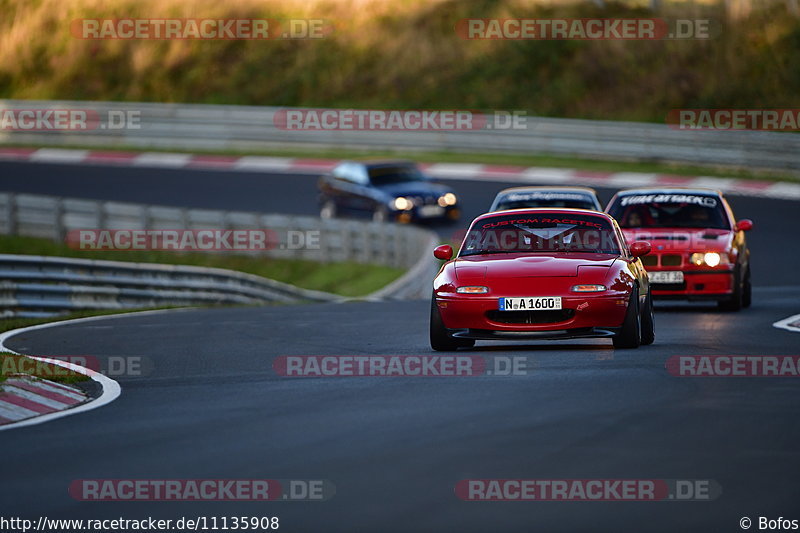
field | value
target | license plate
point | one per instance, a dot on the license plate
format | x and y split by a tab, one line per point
666	277
536	303
431	211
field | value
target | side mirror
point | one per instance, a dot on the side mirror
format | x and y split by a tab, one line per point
744	225
640	248
443	252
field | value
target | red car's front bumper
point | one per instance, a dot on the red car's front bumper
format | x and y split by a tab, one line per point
697	285
579	314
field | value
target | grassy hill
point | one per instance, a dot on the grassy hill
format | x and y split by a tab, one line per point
404	55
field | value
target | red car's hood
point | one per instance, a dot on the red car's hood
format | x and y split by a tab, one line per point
498	266
682	239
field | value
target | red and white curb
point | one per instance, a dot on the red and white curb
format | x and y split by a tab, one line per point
111	390
456	171
24	397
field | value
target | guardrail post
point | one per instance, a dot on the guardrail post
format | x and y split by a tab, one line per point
400	245
346	240
366	240
102	215
144	215
387	233
10	213
58	219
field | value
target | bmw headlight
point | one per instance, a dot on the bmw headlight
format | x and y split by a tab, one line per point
447	199
711	259
403	204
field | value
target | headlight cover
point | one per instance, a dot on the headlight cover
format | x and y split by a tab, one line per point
402	203
447	199
472	289
588	287
711	259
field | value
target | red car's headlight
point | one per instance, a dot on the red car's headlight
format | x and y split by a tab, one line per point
588	288
711	259
472	289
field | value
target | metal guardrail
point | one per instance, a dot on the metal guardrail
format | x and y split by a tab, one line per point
339	239
36	286
191	126
416	284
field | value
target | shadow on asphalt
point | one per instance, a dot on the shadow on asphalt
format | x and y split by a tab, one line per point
549	347
688	307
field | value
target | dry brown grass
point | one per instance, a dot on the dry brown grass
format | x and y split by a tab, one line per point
387	53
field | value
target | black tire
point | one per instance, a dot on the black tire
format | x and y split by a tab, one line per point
747	291
630	335
736	300
328	210
441	341
648	321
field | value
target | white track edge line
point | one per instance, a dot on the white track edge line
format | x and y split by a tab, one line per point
784	324
111	389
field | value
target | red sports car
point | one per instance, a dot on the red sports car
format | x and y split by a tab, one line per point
542	274
699	249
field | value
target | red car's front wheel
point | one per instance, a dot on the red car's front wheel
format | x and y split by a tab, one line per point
648	321
736	301
630	335
441	340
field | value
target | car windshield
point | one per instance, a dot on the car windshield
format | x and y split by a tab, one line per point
534	233
522	200
669	211
523	204
385	175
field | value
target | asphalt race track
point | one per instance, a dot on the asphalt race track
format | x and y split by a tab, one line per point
395	447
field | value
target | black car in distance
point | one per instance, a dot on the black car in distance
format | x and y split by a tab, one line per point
386	191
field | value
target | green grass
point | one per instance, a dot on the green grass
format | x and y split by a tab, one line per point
11	364
7	324
345	279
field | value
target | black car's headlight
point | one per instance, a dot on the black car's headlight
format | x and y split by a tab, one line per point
447	199
402	203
